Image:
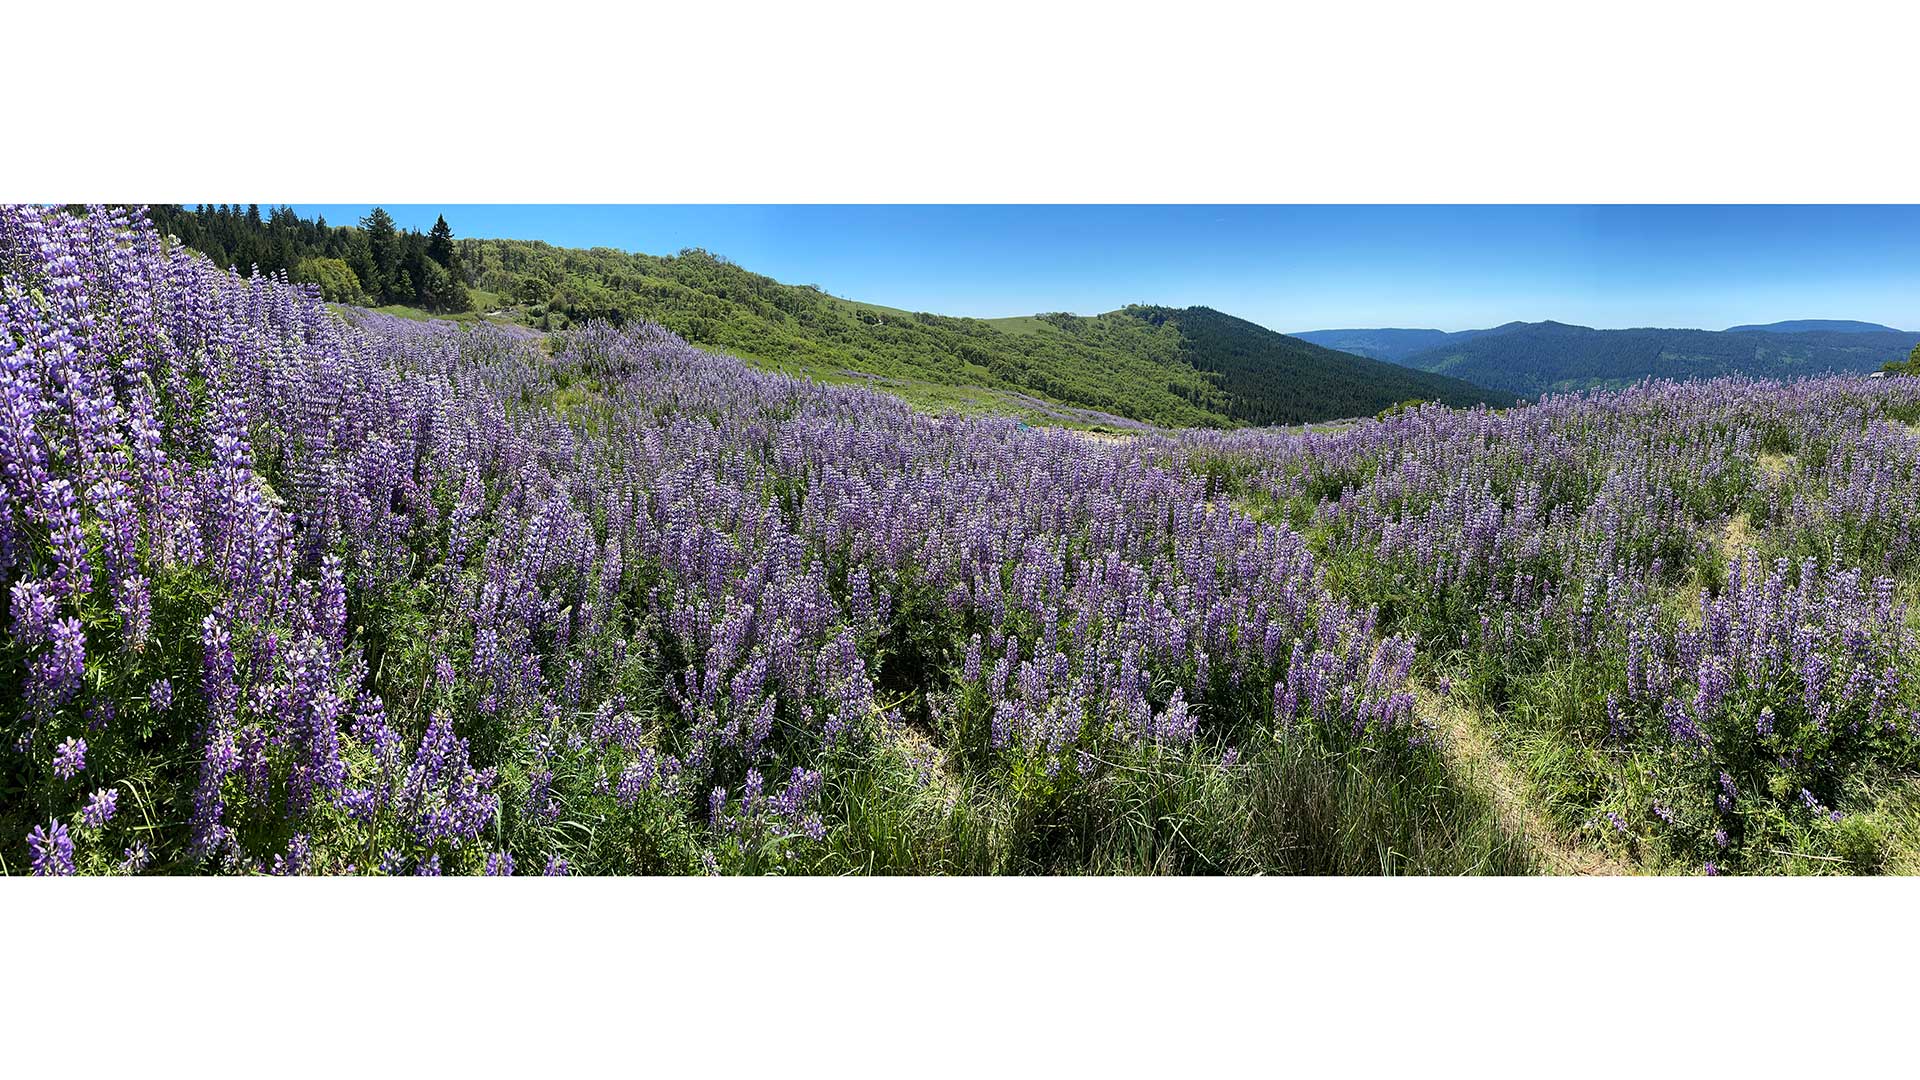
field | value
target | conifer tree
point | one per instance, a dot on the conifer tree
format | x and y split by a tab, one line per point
383	247
440	243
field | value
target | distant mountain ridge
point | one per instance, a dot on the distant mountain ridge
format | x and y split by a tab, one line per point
1531	359
1803	326
1391	344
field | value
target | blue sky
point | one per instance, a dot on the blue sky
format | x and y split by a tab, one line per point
1290	268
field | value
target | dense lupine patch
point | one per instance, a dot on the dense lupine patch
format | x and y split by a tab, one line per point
1700	583
289	592
319	595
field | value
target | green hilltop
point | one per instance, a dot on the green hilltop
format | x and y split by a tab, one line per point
1191	367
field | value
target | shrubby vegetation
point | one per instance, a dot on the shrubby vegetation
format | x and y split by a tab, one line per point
1909	366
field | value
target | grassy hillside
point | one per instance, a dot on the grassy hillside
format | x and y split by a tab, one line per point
1538	358
1193	368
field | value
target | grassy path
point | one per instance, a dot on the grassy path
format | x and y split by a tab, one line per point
1471	753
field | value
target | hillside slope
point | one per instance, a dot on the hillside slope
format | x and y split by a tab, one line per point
1271	378
1154	365
1546	357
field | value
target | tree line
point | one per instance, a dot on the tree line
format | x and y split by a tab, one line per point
372	262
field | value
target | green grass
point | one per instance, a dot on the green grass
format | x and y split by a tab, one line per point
415	314
1291	805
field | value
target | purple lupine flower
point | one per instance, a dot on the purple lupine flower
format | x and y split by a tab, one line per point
556	867
99	809
362	804
160	695
66	663
70	758
135	608
294	862
499	864
1681	725
52	850
33	606
540	802
135	857
636	778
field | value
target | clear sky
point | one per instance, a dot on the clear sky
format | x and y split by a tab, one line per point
1290	268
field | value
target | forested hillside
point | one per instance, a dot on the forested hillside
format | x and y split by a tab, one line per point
1272	378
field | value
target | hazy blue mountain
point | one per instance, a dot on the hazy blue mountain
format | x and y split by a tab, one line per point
1802	326
1538	358
1390	344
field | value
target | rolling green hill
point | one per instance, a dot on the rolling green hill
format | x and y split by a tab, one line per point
1191	367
